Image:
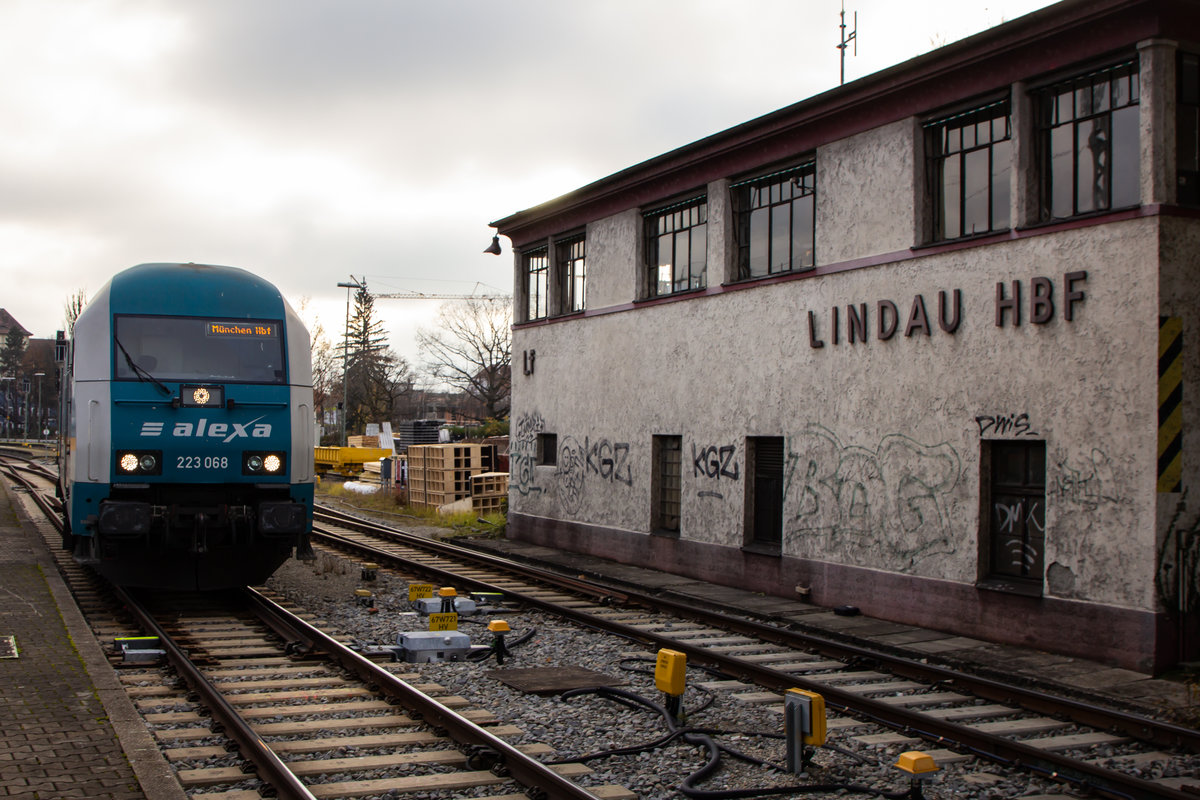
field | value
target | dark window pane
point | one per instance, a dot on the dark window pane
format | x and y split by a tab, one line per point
1126	190
953	140
1094	148
976	173
951	198
1100	95
781	238
699	261
1188	131
665	261
802	232
1001	190
759	233
1064	107
682	257
1062	177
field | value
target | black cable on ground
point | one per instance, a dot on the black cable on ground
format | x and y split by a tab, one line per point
688	786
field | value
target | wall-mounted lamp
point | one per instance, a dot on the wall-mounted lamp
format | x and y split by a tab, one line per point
494	247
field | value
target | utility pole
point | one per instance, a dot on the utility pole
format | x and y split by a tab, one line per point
353	284
852	37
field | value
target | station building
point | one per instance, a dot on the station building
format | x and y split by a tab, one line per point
924	344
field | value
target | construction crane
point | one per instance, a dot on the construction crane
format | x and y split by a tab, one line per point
440	296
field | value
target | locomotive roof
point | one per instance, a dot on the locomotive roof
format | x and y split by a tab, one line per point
162	288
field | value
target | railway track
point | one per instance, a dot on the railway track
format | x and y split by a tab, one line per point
251	700
882	698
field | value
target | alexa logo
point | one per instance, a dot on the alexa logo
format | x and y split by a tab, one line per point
226	432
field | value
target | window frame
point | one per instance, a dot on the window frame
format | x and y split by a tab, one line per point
1051	118
746	196
666	489
690	216
955	139
571	273
535	269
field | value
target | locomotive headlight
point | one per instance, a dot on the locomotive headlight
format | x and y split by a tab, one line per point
264	463
139	462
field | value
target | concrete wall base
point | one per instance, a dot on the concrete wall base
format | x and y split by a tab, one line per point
1127	638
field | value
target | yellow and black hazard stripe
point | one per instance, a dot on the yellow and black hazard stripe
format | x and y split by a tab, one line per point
1170	403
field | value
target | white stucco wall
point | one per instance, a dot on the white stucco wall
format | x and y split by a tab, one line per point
882	437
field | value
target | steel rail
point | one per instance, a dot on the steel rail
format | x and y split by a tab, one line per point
271	768
1105	782
540	780
1146	729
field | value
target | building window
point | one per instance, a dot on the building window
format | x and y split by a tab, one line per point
776	220
764	493
677	248
1187	129
969	163
537	284
1088	142
667	452
547	449
1016	512
572	274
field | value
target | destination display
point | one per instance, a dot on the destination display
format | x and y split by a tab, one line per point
241	330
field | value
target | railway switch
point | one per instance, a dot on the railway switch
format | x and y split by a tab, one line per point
804	724
670	677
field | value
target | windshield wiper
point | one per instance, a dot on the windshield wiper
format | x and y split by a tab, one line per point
142	374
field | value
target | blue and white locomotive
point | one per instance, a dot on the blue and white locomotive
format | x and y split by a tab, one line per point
187	459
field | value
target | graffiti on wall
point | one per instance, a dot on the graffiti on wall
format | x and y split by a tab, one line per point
1005	425
522	452
570	474
715	464
594	458
1087	482
892	500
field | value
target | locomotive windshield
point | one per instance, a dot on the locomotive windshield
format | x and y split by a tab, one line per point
198	349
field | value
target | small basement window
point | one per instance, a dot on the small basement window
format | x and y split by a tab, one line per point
547	449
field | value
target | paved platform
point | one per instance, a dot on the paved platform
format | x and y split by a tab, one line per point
67	729
1120	688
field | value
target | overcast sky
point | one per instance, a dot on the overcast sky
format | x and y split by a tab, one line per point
312	140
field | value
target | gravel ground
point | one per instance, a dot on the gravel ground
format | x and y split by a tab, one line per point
590	724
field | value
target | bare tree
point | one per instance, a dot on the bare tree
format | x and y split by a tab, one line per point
471	350
326	369
72	308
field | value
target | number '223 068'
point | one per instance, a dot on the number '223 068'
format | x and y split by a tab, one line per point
202	462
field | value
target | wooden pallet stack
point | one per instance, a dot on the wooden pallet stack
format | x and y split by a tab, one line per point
489	492
440	474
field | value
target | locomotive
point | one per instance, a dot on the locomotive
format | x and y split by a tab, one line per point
187	453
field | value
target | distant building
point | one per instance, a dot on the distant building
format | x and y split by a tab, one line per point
925	344
8	323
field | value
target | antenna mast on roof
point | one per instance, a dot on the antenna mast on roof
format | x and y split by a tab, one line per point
853	37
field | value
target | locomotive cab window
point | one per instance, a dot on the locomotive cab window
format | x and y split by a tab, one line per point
198	349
